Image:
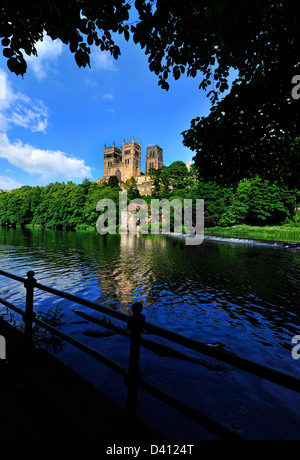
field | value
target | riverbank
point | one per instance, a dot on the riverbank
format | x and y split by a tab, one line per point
284	233
42	399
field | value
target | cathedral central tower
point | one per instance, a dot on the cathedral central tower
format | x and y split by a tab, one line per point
125	162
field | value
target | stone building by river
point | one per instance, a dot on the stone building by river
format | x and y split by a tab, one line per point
125	162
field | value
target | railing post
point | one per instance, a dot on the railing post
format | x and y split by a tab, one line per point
28	315
135	325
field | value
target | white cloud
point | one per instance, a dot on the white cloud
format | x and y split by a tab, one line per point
103	61
17	109
90	83
48	164
28	113
20	110
2	86
45	62
6	183
108	96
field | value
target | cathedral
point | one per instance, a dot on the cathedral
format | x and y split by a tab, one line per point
125	162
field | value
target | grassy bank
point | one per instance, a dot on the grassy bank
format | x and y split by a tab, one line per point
286	232
279	233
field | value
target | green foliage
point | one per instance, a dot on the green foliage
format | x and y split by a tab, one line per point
97	193
266	202
285	232
174	180
257	201
132	190
235	214
57	206
60	206
216	199
160	182
18	206
178	37
253	201
113	182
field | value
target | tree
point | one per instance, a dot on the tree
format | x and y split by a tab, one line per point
214	36
179	177
77	23
174	179
253	129
131	188
257	201
208	36
258	39
249	133
216	198
113	182
160	182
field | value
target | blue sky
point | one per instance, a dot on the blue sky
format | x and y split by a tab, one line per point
55	121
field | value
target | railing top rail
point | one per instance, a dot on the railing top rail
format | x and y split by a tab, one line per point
14	277
87	303
244	364
12	307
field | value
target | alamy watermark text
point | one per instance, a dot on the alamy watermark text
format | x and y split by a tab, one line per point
161	215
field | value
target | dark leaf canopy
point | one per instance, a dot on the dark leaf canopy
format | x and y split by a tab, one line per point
195	37
254	129
213	36
77	23
251	131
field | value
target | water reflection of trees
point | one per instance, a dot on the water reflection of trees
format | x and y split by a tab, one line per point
240	281
131	274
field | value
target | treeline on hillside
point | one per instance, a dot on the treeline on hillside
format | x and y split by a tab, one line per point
252	201
57	205
68	205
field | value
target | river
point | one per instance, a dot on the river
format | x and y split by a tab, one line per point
243	294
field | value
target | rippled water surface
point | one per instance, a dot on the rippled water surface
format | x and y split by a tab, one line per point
244	295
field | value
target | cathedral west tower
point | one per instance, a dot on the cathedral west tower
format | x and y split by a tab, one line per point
125	162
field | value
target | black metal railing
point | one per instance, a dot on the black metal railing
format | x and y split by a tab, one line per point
136	325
